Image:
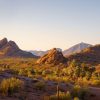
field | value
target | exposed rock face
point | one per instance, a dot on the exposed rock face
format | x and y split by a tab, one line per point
54	56
3	42
10	49
89	55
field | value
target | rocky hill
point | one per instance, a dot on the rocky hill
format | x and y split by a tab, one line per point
89	55
54	56
76	49
10	49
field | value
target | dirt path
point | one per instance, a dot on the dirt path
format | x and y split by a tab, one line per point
96	93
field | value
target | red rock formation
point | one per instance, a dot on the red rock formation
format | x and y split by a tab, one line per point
54	56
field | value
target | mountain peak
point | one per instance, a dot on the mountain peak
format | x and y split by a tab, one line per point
83	43
76	48
3	42
4	39
13	44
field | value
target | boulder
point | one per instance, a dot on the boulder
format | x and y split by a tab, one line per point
54	56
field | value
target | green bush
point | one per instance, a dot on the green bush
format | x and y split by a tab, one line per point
76	98
40	85
76	91
96	82
80	92
10	85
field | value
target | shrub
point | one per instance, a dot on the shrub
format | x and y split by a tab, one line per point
76	98
29	74
40	85
53	78
62	96
80	92
9	86
76	91
22	72
96	82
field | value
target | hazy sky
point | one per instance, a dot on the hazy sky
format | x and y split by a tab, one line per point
44	24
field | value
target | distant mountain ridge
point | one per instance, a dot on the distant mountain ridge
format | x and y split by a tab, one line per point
11	49
41	53
38	53
89	55
76	48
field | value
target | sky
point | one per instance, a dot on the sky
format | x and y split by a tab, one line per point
45	24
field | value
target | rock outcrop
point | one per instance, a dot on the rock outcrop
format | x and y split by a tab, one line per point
54	56
3	42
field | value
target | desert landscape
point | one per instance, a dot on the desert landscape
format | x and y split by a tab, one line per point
24	76
49	49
